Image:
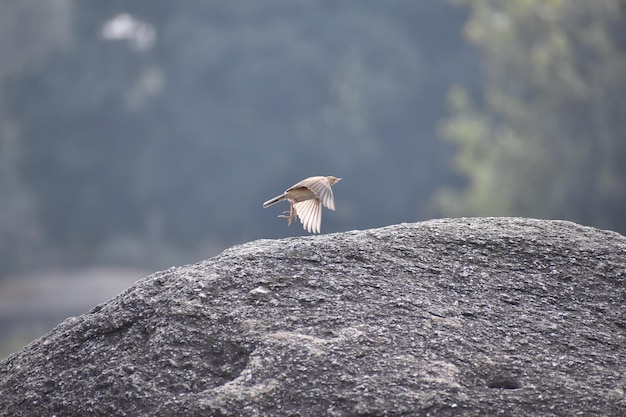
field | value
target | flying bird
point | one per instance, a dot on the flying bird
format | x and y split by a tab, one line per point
306	199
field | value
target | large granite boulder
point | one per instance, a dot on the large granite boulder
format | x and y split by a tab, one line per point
495	316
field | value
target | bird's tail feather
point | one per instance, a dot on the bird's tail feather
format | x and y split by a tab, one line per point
274	200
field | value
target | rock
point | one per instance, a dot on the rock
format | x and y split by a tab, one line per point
495	316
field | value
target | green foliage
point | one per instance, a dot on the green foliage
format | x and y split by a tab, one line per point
178	144
546	137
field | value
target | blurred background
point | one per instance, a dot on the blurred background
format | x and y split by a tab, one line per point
137	135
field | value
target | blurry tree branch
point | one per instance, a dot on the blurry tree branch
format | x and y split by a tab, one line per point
545	138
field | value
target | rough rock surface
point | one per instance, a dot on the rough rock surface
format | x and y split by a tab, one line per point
497	316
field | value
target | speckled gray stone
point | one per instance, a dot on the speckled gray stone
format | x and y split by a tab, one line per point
452	317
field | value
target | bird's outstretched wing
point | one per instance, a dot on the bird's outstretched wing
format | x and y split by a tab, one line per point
310	214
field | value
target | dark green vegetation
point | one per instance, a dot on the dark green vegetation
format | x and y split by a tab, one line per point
159	151
546	138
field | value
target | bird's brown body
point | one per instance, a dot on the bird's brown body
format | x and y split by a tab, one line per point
306	199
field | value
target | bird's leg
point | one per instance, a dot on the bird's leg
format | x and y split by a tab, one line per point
292	214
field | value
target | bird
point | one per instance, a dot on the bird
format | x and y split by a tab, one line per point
306	199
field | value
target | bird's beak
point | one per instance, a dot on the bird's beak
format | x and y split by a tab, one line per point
338	179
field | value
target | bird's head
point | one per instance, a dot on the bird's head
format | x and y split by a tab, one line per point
333	180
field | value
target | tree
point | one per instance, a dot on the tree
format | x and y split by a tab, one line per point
184	137
545	136
29	29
